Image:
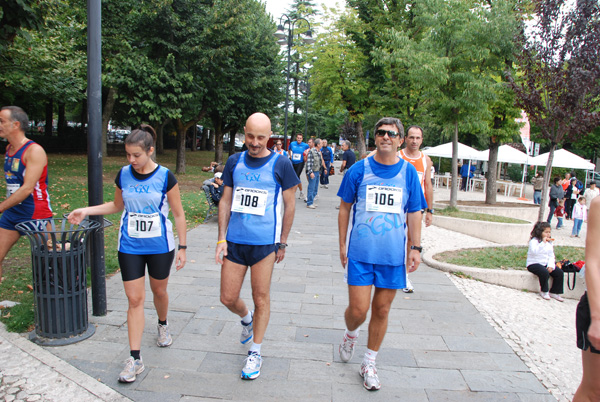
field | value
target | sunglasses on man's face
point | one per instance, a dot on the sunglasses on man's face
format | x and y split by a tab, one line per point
390	133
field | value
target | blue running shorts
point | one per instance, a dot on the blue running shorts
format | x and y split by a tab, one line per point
248	255
382	276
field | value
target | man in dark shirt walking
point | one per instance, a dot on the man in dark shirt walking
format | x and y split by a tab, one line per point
348	158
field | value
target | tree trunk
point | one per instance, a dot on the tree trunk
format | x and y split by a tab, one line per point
62	121
360	140
218	134
454	187
160	136
180	163
107	110
49	109
211	141
205	134
491	189
232	140
547	174
194	137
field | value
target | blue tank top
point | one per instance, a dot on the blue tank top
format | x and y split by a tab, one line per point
145	227
256	204
377	236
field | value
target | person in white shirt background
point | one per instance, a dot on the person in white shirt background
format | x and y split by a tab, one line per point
541	262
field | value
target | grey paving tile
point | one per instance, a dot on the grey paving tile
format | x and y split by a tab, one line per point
463	360
502	381
436	395
472	344
206	385
414	342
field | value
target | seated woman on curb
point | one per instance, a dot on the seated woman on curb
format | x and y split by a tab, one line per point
540	261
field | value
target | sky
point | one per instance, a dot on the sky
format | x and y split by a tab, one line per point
277	7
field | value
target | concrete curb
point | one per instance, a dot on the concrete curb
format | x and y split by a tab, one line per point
510	278
497	232
80	378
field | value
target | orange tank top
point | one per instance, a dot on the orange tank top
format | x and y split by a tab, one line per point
419	163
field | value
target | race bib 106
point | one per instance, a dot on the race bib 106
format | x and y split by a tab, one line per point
249	201
384	199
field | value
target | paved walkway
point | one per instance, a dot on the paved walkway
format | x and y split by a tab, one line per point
439	346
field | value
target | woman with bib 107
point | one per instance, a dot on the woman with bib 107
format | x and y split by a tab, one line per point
144	192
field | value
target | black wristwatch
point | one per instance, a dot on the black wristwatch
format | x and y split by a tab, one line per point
432	211
180	247
418	248
282	245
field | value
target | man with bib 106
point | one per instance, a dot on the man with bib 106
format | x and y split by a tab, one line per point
259	187
380	199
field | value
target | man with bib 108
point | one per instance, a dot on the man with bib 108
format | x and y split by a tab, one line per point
259	188
381	198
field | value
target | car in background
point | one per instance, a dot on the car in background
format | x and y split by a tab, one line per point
238	145
117	136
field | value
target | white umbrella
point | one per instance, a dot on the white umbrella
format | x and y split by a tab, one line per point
445	151
507	154
563	159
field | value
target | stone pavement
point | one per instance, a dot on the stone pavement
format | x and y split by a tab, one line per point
439	347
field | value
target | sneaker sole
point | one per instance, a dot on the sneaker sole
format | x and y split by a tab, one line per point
365	384
166	344
124	380
252	376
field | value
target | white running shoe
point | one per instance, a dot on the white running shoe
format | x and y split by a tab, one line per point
545	295
301	196
164	336
556	297
409	287
247	331
347	348
251	369
131	370
368	372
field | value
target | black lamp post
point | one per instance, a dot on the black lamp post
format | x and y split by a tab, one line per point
305	87
288	40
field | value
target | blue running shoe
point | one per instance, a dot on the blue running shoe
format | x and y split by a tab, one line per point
252	368
247	331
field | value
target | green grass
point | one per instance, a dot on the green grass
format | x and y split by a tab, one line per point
455	213
68	190
503	257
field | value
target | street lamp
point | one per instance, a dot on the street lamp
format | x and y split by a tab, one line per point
305	87
288	40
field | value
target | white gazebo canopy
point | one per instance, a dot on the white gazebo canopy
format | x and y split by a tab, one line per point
563	159
507	154
445	151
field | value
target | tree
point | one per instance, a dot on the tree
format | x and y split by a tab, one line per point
17	16
337	78
558	79
243	67
45	61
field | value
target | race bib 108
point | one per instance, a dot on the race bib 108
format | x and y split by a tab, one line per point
249	201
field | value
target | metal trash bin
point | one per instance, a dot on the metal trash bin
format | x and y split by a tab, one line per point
59	264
